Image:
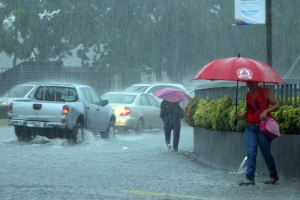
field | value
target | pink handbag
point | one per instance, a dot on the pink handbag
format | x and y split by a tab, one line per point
270	127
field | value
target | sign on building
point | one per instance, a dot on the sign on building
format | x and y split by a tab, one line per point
249	12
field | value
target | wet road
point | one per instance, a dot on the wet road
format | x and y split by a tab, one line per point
125	167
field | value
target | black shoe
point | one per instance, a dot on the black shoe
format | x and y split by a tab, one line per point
247	182
271	181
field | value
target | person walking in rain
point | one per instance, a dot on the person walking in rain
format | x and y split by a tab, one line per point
260	103
171	114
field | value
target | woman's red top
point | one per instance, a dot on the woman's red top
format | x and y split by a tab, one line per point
256	106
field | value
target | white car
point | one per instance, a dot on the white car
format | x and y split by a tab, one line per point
21	91
137	111
152	87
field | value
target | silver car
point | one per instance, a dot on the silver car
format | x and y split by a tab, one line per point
21	91
137	111
150	88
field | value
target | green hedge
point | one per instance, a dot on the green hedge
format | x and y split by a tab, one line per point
218	114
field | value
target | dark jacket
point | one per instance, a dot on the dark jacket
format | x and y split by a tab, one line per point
171	111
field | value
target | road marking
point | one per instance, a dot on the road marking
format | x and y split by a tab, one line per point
163	194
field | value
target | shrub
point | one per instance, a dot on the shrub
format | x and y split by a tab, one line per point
213	114
241	124
221	119
288	119
190	111
201	113
219	114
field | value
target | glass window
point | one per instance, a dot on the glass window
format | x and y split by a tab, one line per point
155	88
45	93
128	99
95	98
119	98
144	101
56	93
87	95
69	94
136	88
152	101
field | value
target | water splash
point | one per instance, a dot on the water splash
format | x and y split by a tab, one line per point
40	140
242	167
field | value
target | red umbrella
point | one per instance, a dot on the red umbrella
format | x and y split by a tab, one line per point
239	69
171	95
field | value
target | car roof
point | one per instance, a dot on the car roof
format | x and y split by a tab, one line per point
123	92
62	83
151	85
155	83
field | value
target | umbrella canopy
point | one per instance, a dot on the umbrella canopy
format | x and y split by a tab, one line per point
239	69
171	95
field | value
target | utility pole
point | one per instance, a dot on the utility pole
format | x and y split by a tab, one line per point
269	31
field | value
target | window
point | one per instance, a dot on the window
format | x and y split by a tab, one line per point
91	96
87	95
144	101
135	88
155	88
153	102
56	93
96	98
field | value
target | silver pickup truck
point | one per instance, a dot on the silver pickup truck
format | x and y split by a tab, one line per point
61	110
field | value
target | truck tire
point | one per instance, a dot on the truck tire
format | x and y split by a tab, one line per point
23	134
110	131
77	134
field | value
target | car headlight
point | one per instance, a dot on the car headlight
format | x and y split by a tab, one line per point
3	103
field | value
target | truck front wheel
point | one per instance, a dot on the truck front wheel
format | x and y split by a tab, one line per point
77	134
110	131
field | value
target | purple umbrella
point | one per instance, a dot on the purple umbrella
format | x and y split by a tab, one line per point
171	95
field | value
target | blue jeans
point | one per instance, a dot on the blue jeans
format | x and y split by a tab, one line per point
254	138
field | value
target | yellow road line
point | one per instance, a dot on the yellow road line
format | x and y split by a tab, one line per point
163	194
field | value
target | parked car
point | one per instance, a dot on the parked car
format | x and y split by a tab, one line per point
137	111
21	91
152	87
149	88
61	110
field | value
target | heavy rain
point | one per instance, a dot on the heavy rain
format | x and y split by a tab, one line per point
133	48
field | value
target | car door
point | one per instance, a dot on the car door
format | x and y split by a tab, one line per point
97	116
146	111
156	121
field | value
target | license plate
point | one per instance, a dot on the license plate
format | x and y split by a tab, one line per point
35	124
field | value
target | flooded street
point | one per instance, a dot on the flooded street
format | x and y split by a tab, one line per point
59	59
128	166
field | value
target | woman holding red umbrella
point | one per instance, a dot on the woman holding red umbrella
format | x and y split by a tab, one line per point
260	103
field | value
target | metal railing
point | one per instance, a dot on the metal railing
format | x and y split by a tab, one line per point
287	93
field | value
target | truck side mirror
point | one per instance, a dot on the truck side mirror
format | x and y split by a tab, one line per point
104	102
